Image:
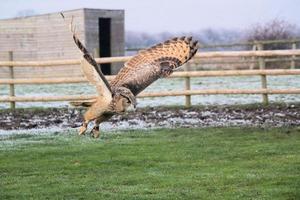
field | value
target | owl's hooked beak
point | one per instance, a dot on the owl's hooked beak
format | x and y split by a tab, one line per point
133	104
131	108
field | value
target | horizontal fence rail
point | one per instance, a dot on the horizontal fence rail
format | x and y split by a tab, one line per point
265	53
272	72
153	94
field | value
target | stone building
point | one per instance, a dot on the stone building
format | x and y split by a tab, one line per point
46	37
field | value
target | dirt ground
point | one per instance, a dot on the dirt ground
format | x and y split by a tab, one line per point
245	115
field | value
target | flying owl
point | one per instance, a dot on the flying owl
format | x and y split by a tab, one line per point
139	72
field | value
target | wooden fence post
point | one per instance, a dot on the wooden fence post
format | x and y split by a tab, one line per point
187	87
252	65
11	86
262	66
293	62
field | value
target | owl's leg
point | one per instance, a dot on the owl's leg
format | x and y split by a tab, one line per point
83	127
95	132
88	117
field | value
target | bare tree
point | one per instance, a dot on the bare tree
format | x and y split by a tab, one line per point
275	29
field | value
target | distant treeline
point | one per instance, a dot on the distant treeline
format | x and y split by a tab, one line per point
208	36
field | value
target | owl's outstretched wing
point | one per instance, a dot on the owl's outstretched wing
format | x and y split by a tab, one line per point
93	77
90	67
153	63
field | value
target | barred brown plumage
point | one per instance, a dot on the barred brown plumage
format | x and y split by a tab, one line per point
155	62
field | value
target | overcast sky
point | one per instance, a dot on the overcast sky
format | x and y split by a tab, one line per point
172	15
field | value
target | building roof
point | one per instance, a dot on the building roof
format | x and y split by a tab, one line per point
64	11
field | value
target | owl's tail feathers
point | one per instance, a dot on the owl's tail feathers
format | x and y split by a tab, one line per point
87	103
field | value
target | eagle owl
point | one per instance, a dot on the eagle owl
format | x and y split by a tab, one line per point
138	73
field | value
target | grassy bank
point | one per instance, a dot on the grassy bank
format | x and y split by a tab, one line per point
211	163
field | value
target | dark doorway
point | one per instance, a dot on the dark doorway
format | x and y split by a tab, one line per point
104	43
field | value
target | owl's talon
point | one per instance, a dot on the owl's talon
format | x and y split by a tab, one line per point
82	129
95	132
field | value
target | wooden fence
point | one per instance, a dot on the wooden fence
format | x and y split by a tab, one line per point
260	45
187	75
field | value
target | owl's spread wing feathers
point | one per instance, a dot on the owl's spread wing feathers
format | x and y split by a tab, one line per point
153	63
92	75
92	71
90	67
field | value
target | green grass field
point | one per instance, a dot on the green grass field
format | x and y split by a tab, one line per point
208	163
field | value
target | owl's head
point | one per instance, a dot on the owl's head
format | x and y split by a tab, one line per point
123	99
